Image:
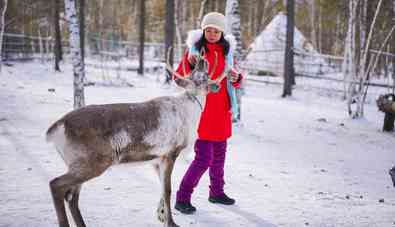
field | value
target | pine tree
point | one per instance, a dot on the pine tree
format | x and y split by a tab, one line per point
78	66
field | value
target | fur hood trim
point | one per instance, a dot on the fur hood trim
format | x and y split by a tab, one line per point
195	35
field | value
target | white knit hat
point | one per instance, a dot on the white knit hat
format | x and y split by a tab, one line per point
215	20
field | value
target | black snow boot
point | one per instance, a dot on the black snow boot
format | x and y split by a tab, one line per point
221	199
185	207
392	174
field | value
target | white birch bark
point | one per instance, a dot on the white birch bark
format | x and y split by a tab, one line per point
348	60
2	26
40	44
201	12
232	14
373	63
364	74
233	24
350	66
352	77
75	51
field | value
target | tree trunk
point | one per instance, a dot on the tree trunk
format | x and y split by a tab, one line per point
169	35
184	18
259	11
313	24
232	12
336	48
319	41
140	71
393	47
201	13
78	66
82	29
364	77
102	44
58	37
41	42
233	27
178	19
289	70
2	27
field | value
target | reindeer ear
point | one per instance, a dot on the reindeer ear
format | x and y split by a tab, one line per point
181	83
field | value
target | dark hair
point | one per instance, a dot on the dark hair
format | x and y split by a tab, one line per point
202	44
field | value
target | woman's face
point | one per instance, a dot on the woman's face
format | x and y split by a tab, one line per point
212	35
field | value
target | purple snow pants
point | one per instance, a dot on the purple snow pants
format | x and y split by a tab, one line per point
208	154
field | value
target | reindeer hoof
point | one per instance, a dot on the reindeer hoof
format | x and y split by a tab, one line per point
161	211
172	224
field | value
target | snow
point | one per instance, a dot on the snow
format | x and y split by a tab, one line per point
292	162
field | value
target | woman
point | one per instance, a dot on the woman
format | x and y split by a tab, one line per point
215	125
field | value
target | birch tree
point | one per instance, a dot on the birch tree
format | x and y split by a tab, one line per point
348	66
357	63
313	24
233	27
2	26
363	73
203	5
75	51
232	14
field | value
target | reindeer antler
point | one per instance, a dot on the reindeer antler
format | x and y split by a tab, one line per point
170	69
218	80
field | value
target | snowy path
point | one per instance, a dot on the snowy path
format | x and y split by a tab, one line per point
294	162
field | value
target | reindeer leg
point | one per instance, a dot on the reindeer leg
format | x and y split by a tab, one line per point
160	211
69	184
168	164
74	208
59	186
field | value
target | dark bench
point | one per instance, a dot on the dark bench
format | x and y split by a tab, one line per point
386	103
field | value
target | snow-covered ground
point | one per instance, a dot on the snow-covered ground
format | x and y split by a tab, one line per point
298	161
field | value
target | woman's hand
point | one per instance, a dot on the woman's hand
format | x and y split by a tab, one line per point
234	75
192	59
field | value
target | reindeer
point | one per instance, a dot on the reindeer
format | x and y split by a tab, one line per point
95	137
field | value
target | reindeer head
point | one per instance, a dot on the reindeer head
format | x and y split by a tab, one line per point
198	80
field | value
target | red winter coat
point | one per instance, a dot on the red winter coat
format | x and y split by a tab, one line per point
215	120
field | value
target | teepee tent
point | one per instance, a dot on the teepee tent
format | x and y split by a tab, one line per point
266	53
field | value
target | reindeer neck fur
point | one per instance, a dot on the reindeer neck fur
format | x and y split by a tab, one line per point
198	99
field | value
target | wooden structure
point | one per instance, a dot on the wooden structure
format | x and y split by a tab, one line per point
386	103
